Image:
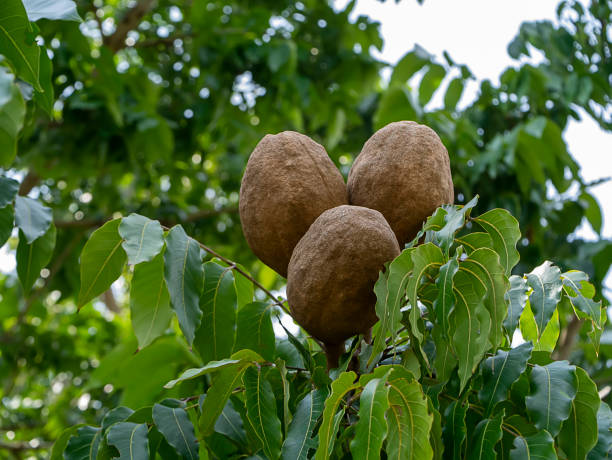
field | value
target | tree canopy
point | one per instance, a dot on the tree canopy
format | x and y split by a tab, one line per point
118	113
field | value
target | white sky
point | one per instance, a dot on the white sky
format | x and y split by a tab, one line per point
477	33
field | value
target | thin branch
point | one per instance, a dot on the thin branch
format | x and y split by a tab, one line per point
568	339
23	445
30	181
130	21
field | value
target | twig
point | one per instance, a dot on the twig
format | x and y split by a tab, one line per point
564	350
130	21
28	183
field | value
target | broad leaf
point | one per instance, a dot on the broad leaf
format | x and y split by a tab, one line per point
435	435
215	338
539	446
499	372
327	432
453	93
409	65
445	302
240	357
143	238
470	325
32	218
84	445
371	428
545	281
149	301
8	186
56	10
516	297
130	439
426	258
255	329
409	420
390	290
547	340
261	411
299	437
504	231
603	448
454	219
487	433
57	451
17	42
6	224
184	278
553	388
580	293
430	83
454	431
174	424
579	432
118	414
32	258
475	240
483	264
244	288
445	360
102	261
230	424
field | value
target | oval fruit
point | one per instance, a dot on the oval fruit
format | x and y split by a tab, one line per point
289	181
403	171
330	286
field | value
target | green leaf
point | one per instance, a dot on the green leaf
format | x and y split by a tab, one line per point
84	445
499	372
17	42
529	330
8	187
174	424
483	264
184	278
430	83
409	420
435	434
592	211
390	290
579	432
470	325
395	105
130	439
371	428
327	432
454	431
230	424
118	414
244	288
487	434
603	448
12	114
261	411
6	224
215	338
32	218
580	293
65	10
516	297
445	302
143	238
504	231
539	446
453	93
57	451
45	99
553	390
32	258
427	259
299	437
454	219
445	360
255	329
280	366
102	261
222	385
409	65
149	301
545	281
475	240
240	357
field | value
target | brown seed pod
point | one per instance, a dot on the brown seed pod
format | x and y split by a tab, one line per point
333	269
403	171
289	181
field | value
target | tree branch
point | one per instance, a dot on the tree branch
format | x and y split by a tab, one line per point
130	21
568	339
30	181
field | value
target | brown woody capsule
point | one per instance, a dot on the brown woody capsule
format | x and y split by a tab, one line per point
333	269
289	181
403	171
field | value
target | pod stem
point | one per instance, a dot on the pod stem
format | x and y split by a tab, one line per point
333	353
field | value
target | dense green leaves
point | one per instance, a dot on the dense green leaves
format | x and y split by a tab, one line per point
32	218
149	301
84	444
539	446
603	448
255	329
184	277
143	238
299	440
504	232
261	410
371	429
102	261
554	387
174	424
454	431
130	439
486	434
32	258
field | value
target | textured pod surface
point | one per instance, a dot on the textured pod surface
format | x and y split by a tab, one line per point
403	171
289	181
330	286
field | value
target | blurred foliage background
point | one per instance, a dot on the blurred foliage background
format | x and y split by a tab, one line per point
157	105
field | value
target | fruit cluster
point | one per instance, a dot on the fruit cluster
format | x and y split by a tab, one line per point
330	239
